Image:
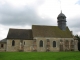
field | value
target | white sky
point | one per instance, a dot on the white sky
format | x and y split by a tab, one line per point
45	9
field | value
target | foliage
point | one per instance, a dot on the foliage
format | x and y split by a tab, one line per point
39	56
78	38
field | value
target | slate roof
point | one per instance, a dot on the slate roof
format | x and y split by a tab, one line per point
20	34
61	15
50	31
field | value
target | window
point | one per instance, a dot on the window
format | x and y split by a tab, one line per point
2	45
67	42
24	42
61	40
63	17
13	43
54	43
41	43
47	40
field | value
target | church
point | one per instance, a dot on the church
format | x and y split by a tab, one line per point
41	38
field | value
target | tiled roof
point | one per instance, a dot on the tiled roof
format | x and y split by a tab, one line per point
39	31
20	34
50	31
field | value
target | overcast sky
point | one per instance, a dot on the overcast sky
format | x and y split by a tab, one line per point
22	14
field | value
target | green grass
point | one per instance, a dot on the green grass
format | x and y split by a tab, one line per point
39	55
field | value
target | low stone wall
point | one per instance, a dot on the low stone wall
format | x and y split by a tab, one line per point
3	48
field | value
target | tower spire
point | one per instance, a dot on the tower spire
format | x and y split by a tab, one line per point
60	6
61	19
61	11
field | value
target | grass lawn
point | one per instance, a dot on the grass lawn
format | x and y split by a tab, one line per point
39	55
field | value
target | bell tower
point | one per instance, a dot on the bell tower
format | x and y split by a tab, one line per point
61	20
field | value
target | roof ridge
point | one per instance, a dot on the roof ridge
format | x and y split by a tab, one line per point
44	25
18	29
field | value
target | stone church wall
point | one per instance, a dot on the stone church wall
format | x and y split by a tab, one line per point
28	45
44	48
62	44
15	47
66	46
54	49
67	43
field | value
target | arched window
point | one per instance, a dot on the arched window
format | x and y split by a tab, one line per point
72	42
47	40
67	42
61	40
2	45
24	42
54	43
13	43
41	43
